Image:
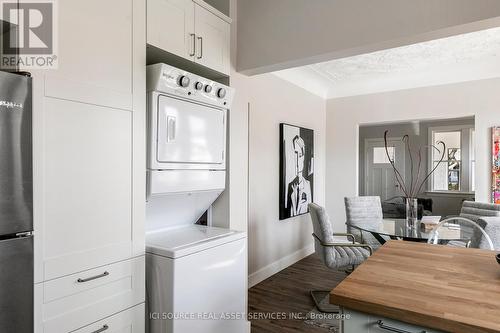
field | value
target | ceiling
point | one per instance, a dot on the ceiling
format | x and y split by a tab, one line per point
460	58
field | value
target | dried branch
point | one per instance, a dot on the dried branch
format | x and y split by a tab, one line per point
399	178
414	182
406	140
419	165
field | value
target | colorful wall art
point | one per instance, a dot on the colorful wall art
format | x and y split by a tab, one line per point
495	183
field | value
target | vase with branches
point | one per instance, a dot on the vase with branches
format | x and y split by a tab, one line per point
418	179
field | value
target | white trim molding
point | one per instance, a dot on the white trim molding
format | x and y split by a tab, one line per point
273	268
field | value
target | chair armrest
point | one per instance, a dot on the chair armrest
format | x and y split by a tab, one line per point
351	236
365	246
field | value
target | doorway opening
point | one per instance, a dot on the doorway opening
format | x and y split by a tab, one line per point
451	183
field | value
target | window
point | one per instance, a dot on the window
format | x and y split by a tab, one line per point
380	155
456	172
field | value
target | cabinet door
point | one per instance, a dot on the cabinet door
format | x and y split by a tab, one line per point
87	186
95	53
170	26
88	140
212	40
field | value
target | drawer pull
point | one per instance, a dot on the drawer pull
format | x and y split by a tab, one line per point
93	278
102	329
381	325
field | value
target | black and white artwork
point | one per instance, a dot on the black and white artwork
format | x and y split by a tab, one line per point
296	170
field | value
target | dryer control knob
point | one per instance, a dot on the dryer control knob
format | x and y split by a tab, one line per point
221	92
183	81
198	85
208	89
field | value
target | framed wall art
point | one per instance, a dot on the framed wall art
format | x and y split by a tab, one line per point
296	170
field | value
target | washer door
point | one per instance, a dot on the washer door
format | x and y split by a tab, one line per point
189	132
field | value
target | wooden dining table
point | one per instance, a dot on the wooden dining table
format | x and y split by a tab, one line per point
440	287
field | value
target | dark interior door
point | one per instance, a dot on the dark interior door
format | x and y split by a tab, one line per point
16	285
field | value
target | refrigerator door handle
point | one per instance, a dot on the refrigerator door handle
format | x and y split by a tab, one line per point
24	234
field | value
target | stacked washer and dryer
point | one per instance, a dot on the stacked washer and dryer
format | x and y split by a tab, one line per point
196	275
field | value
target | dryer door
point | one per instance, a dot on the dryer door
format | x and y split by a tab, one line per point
189	133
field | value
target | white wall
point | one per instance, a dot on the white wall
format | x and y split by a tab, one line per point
231	208
260	104
274	244
279	34
479	98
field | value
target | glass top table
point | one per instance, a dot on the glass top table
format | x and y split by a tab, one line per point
398	229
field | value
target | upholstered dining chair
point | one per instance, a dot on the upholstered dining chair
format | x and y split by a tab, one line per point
365	211
487	216
337	251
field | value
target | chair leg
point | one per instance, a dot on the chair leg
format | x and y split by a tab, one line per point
318	296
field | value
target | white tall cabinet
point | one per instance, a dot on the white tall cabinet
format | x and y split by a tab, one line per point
89	171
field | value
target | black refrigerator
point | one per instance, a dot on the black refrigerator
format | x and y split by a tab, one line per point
16	203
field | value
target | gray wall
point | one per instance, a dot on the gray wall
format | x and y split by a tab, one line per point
444	204
278	34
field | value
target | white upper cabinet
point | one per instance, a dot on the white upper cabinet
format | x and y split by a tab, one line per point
171	26
192	30
95	53
212	37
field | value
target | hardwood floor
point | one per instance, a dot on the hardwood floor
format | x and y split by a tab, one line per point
288	292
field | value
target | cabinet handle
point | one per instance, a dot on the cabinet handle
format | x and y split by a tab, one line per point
193	52
102	329
201	47
106	273
381	325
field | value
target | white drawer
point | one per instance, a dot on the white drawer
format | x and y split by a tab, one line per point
73	301
128	321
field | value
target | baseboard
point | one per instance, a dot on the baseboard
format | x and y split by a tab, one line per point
279	265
